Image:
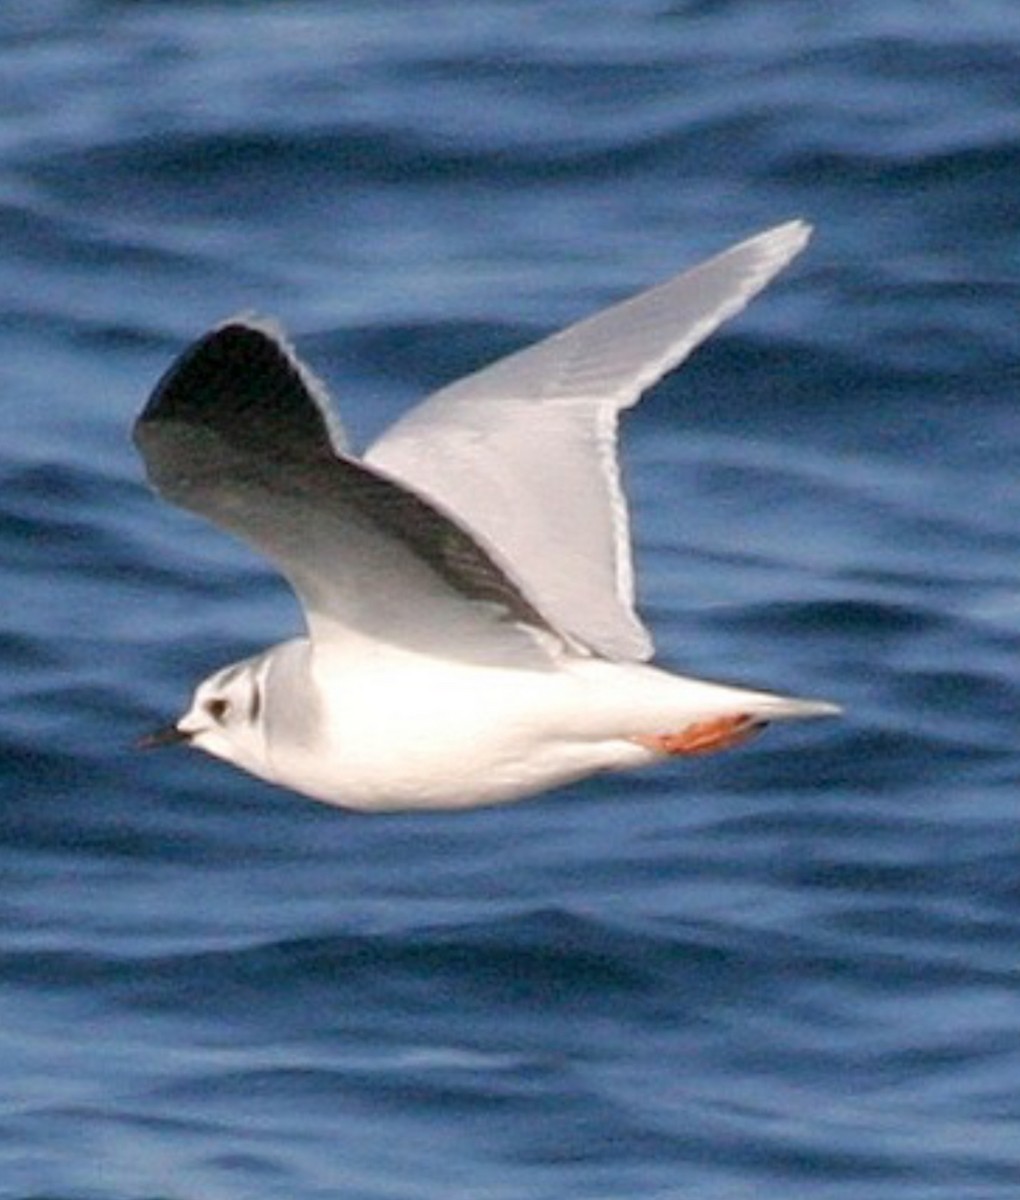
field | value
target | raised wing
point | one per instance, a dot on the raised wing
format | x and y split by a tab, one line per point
238	432
524	451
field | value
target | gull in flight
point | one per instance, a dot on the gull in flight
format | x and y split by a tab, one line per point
467	583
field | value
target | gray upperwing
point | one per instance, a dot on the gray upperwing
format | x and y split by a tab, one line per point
238	432
524	451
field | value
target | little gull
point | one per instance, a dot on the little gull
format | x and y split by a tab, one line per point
467	583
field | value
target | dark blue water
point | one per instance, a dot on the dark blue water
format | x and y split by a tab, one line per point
791	971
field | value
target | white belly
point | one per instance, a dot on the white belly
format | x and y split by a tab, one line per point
398	730
406	732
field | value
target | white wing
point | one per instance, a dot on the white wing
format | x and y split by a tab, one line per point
239	432
524	451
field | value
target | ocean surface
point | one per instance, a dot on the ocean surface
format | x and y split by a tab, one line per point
787	972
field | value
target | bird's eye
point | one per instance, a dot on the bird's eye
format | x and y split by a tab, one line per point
217	709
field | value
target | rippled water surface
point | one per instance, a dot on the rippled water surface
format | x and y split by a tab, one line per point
790	971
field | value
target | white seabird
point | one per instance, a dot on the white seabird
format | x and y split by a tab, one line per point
467	584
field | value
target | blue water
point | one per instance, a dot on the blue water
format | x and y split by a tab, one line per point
790	971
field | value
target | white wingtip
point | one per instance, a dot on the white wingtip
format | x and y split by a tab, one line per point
789	238
774	249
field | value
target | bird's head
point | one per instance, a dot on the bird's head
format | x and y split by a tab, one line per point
225	718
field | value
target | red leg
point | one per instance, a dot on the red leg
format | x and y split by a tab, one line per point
703	737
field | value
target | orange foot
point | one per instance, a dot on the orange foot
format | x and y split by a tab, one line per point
703	737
